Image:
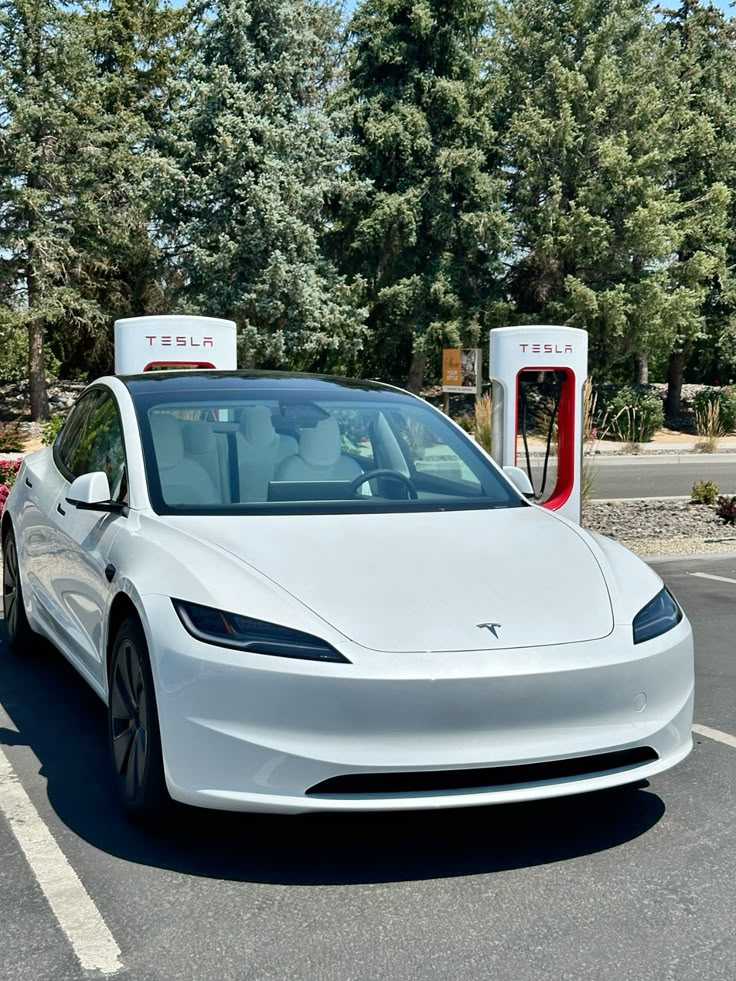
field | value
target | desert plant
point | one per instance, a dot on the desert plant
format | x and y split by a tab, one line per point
726	509
634	415
11	438
706	417
709	425
704	492
483	411
51	429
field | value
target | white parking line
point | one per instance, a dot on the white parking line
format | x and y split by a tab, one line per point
78	916
721	737
709	575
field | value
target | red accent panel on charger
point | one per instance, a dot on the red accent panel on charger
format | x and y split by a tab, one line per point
565	435
178	364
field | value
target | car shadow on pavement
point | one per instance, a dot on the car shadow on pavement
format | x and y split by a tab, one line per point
63	723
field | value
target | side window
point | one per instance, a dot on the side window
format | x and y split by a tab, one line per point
354	435
69	438
99	445
428	454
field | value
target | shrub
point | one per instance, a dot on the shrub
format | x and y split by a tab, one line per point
634	415
707	417
704	492
11	438
51	429
466	421
8	472
483	411
726	509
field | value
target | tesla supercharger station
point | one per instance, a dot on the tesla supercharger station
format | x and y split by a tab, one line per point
563	351
172	341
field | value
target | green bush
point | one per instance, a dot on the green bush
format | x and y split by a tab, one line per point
633	415
11	438
466	422
51	428
704	492
725	399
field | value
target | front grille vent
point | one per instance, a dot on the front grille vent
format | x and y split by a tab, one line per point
483	778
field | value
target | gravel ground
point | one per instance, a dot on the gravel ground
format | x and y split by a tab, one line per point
661	527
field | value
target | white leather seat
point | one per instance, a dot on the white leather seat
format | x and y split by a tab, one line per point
200	445
260	450
320	456
184	481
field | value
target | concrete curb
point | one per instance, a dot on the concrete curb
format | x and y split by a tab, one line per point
661	459
689	557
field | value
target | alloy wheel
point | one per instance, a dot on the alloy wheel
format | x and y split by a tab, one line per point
10	587
129	720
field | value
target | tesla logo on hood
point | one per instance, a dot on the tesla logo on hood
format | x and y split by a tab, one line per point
493	627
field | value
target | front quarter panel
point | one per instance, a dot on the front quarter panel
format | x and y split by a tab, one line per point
631	582
151	558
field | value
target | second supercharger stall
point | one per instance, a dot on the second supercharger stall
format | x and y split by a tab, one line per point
562	351
174	341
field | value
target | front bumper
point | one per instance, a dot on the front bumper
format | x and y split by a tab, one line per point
249	732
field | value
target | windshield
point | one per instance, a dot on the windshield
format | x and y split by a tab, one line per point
302	451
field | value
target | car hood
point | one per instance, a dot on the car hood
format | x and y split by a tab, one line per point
428	581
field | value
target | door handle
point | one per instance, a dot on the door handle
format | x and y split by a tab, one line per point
60	509
28	483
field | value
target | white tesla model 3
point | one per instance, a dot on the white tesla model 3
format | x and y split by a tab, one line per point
299	593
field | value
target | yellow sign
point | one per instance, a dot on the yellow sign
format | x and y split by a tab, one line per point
461	370
451	371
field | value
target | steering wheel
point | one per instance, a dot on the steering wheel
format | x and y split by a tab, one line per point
391	474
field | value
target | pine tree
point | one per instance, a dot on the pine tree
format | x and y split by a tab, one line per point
42	72
254	163
705	170
426	229
71	172
136	48
592	124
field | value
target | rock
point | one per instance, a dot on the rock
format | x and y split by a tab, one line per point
653	527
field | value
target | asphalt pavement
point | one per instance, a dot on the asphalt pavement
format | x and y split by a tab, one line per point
636	884
656	476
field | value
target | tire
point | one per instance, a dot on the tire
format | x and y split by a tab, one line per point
133	731
20	635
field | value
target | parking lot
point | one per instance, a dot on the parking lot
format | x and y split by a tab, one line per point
625	885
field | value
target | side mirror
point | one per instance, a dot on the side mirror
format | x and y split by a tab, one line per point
520	479
91	492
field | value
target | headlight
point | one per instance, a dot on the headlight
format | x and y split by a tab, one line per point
256	636
660	615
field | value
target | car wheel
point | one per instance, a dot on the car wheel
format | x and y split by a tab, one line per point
19	630
133	730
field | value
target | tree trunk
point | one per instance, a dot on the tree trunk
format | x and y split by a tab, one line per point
36	366
641	369
36	360
415	378
674	385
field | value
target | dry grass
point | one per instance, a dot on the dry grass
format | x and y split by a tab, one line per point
591	436
629	426
708	424
483	407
